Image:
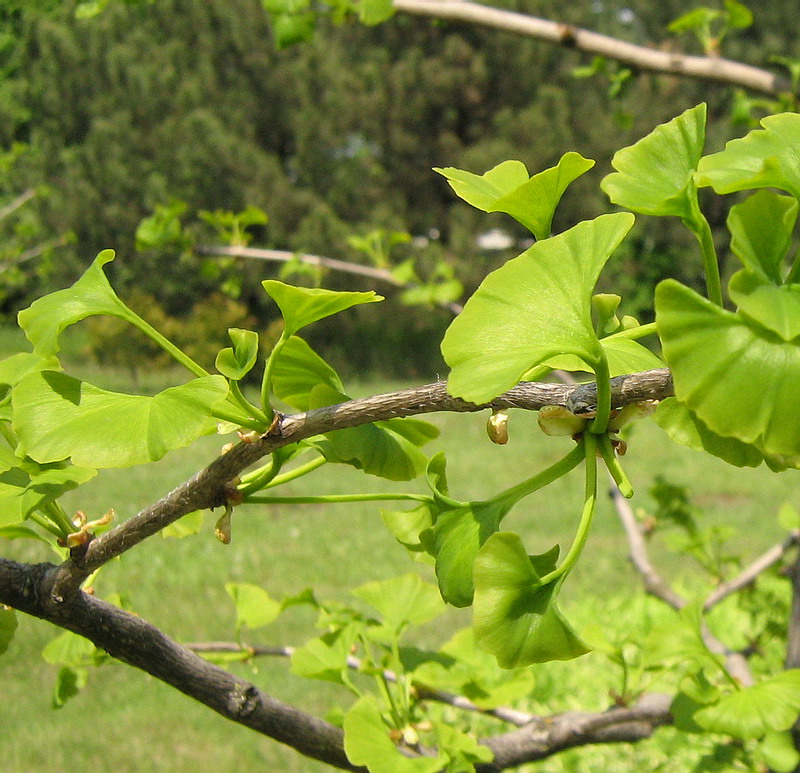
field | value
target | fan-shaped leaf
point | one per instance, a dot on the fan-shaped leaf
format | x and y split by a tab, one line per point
535	307
763	158
654	176
57	416
737	378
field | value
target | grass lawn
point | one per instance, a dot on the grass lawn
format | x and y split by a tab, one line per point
126	721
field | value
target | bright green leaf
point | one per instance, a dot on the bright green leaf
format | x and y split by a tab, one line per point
685	428
300	306
325	658
775	307
69	682
372	12
462	749
515	617
8	625
771	705
254	606
402	601
761	232
367	742
46	318
739	381
289	29
377	448
533	308
739	15
779	752
297	370
18	531
236	362
57	416
407	525
763	158
507	188
788	517
68	649
654	176
624	356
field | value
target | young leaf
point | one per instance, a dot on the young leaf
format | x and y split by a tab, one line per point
68	649
372	12
779	752
69	682
325	658
761	232
407	525
402	601
763	158
654	176
26	485
57	416
515	617
300	306
254	606
685	428
367	742
377	448
533	308
507	188
737	379
46	318
297	370
235	363
8	625
771	705
776	307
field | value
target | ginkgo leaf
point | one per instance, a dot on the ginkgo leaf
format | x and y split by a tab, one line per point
300	306
515	616
763	158
535	307
739	379
507	188
654	176
56	416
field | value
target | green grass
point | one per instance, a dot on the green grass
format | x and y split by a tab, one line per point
127	721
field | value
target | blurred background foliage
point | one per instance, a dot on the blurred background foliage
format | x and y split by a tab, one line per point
186	106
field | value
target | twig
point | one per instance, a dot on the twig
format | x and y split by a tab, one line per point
750	573
16	203
656	586
207	488
424	692
654	583
707	68
284	256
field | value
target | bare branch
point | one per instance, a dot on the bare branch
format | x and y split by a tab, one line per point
706	68
284	256
750	573
207	488
424	692
136	642
550	735
16	203
656	586
654	583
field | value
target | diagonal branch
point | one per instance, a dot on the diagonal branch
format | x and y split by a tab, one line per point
207	488
656	586
706	68
767	559
284	256
136	642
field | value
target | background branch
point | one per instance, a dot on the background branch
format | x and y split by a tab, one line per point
284	256
706	68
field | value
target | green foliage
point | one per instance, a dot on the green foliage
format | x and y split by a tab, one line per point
735	375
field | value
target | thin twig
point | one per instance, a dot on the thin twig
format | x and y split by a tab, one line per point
424	692
750	573
16	203
284	256
706	68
